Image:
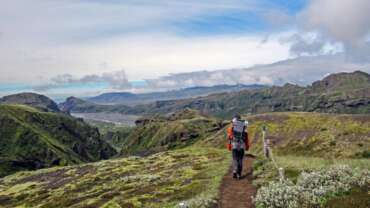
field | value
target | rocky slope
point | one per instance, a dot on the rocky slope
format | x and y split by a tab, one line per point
40	102
32	139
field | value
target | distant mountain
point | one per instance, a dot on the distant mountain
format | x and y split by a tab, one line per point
342	82
40	102
114	98
73	102
77	105
32	139
337	93
127	98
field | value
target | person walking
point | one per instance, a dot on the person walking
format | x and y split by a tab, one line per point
238	143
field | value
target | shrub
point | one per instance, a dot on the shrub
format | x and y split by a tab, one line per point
279	195
312	189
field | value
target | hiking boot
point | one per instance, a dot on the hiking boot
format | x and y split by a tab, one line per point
234	175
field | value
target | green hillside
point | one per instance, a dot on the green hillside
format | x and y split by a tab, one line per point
313	134
31	139
178	130
190	168
41	102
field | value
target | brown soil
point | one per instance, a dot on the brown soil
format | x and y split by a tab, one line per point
238	193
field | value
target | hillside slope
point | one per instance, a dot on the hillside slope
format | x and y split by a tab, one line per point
38	101
32	139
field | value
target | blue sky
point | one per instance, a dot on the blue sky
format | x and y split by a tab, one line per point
74	46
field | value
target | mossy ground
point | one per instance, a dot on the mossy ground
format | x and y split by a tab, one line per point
313	134
159	180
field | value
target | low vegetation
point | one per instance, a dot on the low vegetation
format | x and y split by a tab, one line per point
312	147
190	176
314	189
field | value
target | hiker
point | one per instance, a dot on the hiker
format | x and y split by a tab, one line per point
238	143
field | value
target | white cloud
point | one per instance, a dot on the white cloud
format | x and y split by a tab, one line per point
302	70
115	80
344	21
141	56
43	39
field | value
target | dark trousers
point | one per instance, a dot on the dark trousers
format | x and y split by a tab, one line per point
238	156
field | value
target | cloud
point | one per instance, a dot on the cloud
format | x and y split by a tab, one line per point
345	21
44	38
311	44
293	71
49	44
302	70
115	80
141	56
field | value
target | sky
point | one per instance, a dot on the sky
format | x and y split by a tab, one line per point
86	47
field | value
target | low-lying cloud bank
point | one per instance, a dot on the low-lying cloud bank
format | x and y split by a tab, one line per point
116	80
302	70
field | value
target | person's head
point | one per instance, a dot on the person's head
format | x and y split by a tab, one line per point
236	117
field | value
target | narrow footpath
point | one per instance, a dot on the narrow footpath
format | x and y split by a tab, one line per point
238	193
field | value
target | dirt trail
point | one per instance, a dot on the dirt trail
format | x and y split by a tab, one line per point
238	193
